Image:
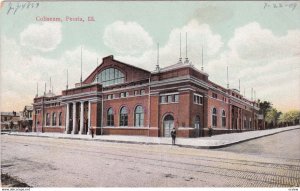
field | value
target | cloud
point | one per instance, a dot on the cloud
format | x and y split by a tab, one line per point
263	61
127	38
252	42
20	72
198	36
44	37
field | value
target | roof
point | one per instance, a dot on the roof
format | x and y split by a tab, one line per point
28	107
181	64
10	114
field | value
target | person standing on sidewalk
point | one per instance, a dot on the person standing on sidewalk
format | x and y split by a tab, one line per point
173	135
92	132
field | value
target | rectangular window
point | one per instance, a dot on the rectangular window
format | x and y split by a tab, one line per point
109	96
214	95
136	92
198	99
162	99
176	98
126	94
142	92
122	94
169	99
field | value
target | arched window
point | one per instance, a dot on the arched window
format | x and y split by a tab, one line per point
110	76
250	123
60	119
47	119
110	117
223	119
123	117
245	123
214	117
139	116
53	119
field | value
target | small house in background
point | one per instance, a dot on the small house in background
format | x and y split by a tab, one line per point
10	120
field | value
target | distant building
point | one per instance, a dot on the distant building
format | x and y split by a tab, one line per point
121	99
26	118
10	120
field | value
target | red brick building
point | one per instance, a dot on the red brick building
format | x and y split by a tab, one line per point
118	98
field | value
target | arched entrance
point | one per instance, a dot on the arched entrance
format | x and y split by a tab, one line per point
198	126
168	125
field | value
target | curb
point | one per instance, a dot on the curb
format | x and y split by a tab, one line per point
150	143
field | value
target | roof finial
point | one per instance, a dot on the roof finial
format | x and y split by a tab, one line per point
186	57
67	80
37	89
50	85
97	78
202	59
81	68
157	64
180	58
227	79
45	88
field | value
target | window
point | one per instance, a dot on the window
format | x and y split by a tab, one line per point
110	117
176	98
142	92
169	98
110	96
110	76
47	119
60	119
136	92
162	99
250	123
123	117
53	119
245	123
124	94
214	95
139	116
198	99
223	119
214	117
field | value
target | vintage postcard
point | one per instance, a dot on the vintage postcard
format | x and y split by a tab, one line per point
144	94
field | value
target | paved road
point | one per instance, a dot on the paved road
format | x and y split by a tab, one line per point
283	145
48	162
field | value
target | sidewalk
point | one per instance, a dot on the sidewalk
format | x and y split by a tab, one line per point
217	141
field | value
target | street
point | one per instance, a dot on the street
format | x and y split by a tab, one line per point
272	161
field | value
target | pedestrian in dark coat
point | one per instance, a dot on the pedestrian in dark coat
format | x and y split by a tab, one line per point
173	135
92	132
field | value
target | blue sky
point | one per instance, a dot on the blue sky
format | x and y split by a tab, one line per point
259	41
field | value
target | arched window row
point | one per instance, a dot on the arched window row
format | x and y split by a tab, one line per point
123	116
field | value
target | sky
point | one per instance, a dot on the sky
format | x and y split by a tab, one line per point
258	41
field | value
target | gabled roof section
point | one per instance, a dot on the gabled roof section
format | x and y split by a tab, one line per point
132	73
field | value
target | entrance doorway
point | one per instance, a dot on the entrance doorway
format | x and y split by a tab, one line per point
168	125
197	126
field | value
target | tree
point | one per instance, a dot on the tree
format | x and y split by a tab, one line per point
290	118
272	117
264	107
